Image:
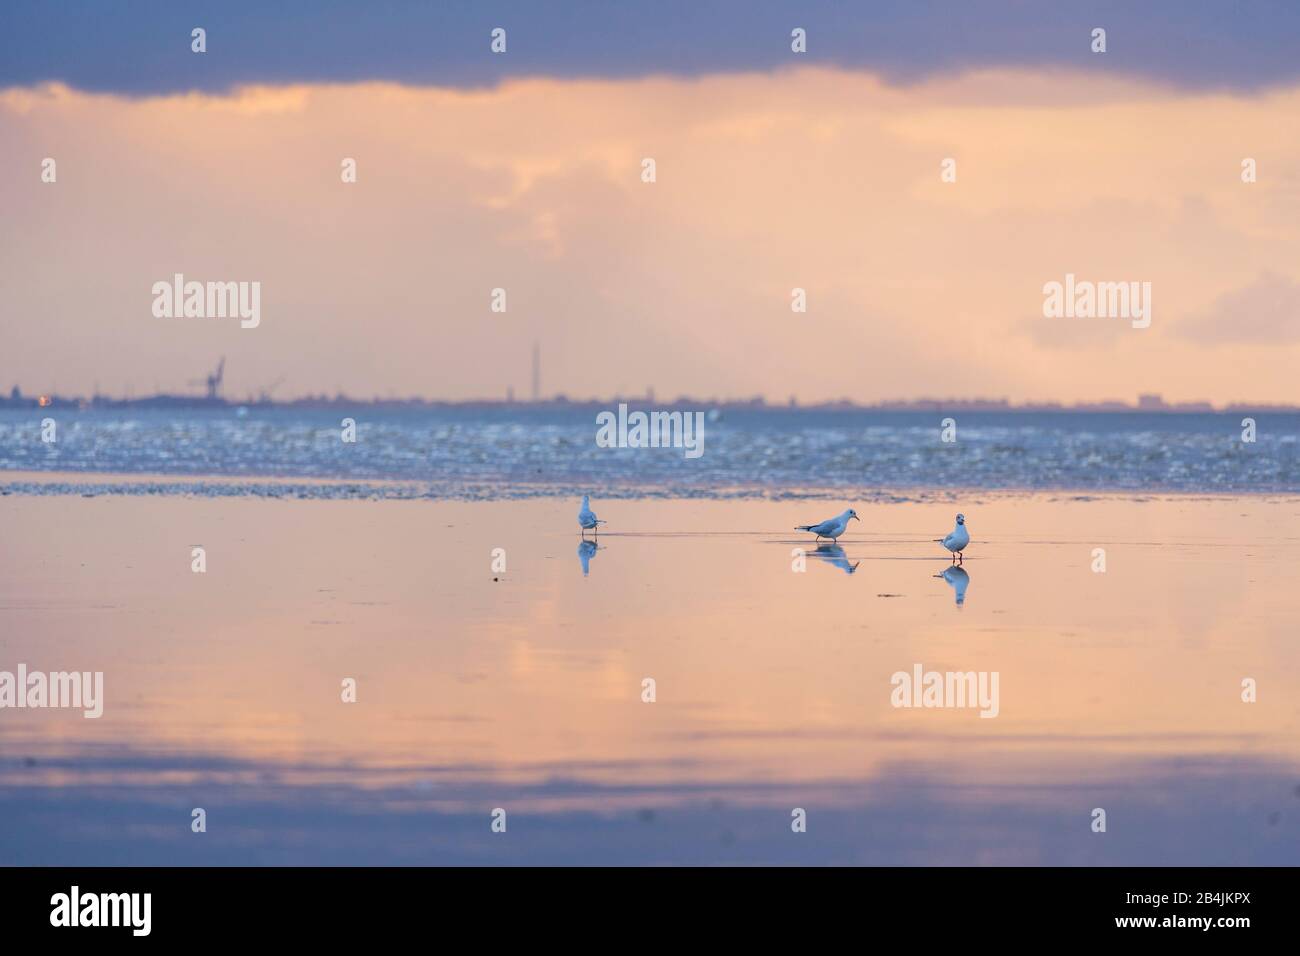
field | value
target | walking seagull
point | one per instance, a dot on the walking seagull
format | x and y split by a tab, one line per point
957	541
587	517
832	527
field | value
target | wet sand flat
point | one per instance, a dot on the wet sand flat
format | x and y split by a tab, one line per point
522	689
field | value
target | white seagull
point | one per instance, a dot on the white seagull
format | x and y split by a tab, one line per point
832	527
957	540
587	517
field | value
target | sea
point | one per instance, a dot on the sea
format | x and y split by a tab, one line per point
478	452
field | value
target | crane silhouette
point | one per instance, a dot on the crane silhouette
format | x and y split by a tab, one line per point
213	381
265	396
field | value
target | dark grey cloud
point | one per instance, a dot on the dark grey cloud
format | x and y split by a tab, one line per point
143	47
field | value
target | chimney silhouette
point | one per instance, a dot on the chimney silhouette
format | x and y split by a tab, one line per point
537	372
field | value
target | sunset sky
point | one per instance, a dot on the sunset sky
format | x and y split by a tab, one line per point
774	171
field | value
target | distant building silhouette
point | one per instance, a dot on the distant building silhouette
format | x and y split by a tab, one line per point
537	372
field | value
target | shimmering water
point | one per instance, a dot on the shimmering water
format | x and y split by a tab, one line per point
523	452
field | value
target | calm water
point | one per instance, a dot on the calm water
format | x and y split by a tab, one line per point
523	452
522	689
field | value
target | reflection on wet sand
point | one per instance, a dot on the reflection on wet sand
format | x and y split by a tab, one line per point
586	551
834	554
991	809
221	689
958	579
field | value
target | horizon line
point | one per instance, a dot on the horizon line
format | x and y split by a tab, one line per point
1148	403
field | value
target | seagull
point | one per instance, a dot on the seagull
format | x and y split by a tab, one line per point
587	517
957	541
832	527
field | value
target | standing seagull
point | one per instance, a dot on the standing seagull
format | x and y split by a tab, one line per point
956	541
587	517
832	527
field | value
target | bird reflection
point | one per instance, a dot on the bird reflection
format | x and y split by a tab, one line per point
959	579
586	551
834	554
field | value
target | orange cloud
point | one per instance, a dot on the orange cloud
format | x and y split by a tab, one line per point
818	179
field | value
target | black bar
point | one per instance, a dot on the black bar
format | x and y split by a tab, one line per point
373	904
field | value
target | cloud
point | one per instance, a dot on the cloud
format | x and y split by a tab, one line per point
1074	334
144	47
821	179
1265	312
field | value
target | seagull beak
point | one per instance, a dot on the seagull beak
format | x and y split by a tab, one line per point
856	518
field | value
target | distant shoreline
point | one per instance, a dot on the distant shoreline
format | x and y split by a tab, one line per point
1153	405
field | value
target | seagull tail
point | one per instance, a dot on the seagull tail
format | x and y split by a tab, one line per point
804	527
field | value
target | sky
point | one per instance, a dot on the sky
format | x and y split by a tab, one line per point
774	171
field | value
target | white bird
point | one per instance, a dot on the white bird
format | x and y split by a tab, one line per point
958	539
587	517
832	527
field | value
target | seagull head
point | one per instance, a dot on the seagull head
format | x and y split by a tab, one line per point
853	514
961	519
585	498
